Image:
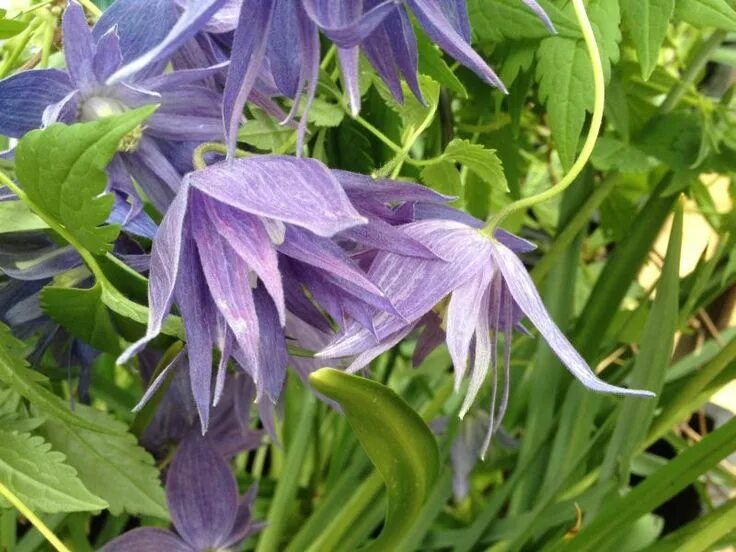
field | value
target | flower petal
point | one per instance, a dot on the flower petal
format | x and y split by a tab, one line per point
147	539
302	192
202	494
273	356
79	46
108	57
194	17
24	97
525	294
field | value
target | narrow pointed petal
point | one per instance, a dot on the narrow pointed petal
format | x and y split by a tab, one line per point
434	22
371	353
244	525
360	187
273	356
24	97
432	336
202	494
172	81
525	294
456	12
197	312
108	58
343	23
539	10
302	192
248	53
187	25
484	351
381	235
248	238
79	47
463	313
348	58
166	261
284	62
141	25
147	539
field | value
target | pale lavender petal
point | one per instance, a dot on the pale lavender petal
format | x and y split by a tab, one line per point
539	10
166	260
248	238
172	81
381	235
456	12
525	294
484	351
463	313
148	539
248	52
155	385
432	336
224	20
187	25
79	46
302	192
227	278
66	111
348	58
309	44
360	187
25	96
108	58
434	22
244	525
202	495
371	353
342	21
284	59
153	171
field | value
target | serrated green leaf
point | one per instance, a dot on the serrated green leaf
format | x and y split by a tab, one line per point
83	314
495	20
113	466
40	477
27	383
651	363
707	13
62	170
412	112
16	216
483	162
612	154
444	178
325	114
395	438
646	22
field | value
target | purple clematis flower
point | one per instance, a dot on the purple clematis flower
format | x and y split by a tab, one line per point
268	30
489	291
188	110
217	255
205	508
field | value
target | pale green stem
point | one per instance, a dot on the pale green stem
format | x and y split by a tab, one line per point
21	41
33	518
590	140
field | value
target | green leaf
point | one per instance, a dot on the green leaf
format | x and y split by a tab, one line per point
565	76
646	22
325	114
27	383
701	534
651	363
395	438
39	476
112	465
83	314
495	20
62	170
444	178
618	514
483	162
707	13
16	216
10	27
611	154
413	114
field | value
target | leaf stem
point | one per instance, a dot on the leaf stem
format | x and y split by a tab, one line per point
590	140
35	520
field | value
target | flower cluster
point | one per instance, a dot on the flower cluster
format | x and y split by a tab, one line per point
265	257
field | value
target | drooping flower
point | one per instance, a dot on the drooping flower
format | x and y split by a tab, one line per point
490	292
268	30
216	255
206	511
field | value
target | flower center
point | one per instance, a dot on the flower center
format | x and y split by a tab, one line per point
96	107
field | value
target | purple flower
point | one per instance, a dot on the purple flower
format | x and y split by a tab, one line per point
205	508
216	255
268	31
489	291
188	111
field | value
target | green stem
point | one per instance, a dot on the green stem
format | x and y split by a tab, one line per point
687	78
286	490
22	42
599	87
8	529
35	520
48	40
